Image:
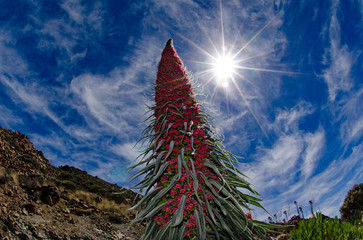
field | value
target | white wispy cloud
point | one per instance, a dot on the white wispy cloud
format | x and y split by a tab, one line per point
77	27
338	58
129	151
348	111
74	10
288	120
315	145
276	167
10	61
7	117
286	167
326	187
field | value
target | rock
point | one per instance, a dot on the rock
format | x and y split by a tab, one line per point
9	192
30	207
117	218
39	233
81	212
65	195
5	179
75	201
4	210
24	212
50	195
25	236
119	236
66	211
72	220
84	206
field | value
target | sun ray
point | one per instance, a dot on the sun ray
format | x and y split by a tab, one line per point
251	40
246	59
200	62
246	80
195	45
213	93
250	109
271	70
208	81
222	27
229	60
209	39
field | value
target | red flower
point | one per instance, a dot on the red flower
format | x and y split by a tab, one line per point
249	216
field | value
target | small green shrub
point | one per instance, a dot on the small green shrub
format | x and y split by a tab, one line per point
32	181
332	229
53	181
353	204
69	185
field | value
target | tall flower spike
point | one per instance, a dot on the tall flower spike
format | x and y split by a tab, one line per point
190	180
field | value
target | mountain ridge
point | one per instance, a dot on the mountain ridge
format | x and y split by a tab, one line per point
40	201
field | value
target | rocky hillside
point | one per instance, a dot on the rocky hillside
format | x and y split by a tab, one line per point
40	201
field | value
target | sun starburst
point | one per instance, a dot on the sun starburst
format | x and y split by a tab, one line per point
224	67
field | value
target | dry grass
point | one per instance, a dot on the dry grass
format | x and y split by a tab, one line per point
14	176
92	199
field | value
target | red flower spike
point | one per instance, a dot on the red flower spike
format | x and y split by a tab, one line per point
190	171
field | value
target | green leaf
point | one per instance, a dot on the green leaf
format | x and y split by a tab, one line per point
160	116
152	180
173	233
156	210
178	217
143	171
199	227
150	230
167	130
182	232
226	193
160	144
171	147
216	234
195	181
202	220
154	201
158	160
224	225
144	198
184	164
181	116
209	208
162	233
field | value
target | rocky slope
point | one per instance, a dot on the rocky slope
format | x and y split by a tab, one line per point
40	201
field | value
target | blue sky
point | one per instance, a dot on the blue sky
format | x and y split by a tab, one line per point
75	77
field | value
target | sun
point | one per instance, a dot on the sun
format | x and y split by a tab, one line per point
227	69
224	67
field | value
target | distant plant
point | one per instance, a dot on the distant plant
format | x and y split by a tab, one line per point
297	208
295	218
302	212
190	181
312	207
285	213
352	207
332	229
